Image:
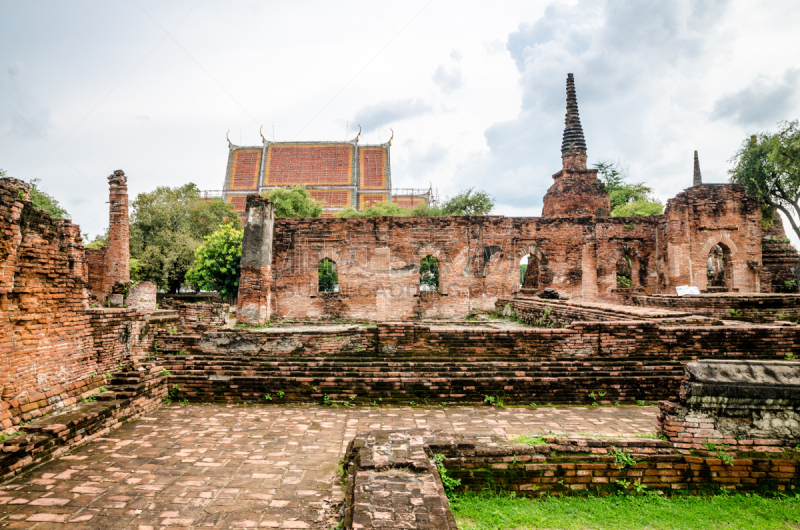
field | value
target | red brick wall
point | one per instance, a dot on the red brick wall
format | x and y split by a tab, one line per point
402	362
52	347
95	263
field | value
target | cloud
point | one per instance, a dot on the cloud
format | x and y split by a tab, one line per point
448	80
627	57
27	118
372	117
764	101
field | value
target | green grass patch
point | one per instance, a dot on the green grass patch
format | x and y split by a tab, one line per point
651	512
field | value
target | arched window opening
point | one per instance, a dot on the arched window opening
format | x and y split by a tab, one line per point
429	274
529	272
719	268
624	272
328	277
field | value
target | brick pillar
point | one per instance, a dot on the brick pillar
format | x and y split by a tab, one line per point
116	267
256	276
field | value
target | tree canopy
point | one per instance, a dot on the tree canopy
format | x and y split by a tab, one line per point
768	165
469	202
627	200
43	200
167	226
294	202
216	263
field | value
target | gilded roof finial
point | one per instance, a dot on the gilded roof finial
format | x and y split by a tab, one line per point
230	145
263	140
359	132
390	139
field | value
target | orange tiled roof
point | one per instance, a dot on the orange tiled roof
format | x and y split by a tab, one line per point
309	164
372	162
246	166
367	200
239	203
332	198
409	201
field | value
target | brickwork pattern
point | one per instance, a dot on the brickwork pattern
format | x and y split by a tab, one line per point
309	164
246	169
403	362
372	162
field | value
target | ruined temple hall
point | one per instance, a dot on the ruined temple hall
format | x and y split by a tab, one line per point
710	236
368	356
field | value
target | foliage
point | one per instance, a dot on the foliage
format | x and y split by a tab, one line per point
99	241
627	200
429	273
768	165
328	277
622	458
294	202
448	482
216	262
487	511
42	200
469	202
522	269
528	439
167	226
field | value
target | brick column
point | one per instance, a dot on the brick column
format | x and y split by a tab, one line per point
117	258
256	276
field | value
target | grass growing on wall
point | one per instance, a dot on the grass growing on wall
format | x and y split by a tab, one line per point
651	512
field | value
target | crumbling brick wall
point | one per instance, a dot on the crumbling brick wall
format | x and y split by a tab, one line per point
698	219
53	347
44	328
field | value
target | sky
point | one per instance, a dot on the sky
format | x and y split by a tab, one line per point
474	91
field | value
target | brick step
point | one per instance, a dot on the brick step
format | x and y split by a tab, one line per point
517	390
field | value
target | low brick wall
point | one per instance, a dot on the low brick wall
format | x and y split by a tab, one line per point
85	416
393	480
730	306
747	405
403	362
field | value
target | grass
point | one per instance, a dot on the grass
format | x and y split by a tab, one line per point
650	512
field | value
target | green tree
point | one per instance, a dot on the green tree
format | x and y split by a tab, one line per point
768	165
379	209
469	202
328	277
42	200
627	200
167	226
294	202
99	241
216	262
429	273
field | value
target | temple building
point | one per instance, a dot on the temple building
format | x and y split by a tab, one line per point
340	174
710	236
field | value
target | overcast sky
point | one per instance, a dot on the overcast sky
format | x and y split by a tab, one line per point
473	90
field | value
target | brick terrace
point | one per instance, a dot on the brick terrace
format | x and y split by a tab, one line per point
254	466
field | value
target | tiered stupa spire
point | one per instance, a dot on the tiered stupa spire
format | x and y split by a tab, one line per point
698	179
573	146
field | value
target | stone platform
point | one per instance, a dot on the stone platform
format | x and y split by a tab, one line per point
271	466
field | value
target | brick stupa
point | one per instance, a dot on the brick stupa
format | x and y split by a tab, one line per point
576	190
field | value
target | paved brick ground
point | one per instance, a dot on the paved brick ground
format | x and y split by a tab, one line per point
249	466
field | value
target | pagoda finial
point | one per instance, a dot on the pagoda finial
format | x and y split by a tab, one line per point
698	179
573	146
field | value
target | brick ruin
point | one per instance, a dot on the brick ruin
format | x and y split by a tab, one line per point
70	372
111	264
575	248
